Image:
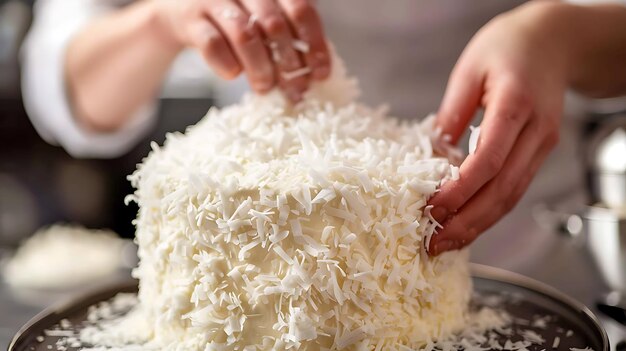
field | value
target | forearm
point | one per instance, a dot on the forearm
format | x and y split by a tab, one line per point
594	43
117	64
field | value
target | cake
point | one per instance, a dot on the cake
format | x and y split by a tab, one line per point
268	226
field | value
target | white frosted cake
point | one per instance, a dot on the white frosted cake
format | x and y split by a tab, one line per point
272	227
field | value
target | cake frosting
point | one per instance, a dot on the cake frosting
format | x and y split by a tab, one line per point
268	226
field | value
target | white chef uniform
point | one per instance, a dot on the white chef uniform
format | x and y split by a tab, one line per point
44	86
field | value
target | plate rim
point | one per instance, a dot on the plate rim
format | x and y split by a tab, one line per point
66	304
477	270
482	271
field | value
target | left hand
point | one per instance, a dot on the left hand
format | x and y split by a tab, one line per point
515	69
269	40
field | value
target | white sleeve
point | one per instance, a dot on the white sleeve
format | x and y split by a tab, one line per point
595	2
44	87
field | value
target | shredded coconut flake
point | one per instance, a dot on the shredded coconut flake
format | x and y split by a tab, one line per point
556	342
473	139
301	46
47	260
295	74
276	227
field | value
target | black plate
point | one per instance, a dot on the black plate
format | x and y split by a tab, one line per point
525	299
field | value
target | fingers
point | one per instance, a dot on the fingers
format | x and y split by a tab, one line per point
307	26
245	40
499	196
460	102
502	124
277	31
273	42
214	48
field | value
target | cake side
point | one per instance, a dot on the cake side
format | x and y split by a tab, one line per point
272	227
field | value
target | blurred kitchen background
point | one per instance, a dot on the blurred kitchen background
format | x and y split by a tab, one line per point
41	184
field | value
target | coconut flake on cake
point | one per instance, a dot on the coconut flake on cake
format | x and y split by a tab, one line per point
268	226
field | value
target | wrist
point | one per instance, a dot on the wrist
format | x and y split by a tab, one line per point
549	25
594	53
160	24
557	19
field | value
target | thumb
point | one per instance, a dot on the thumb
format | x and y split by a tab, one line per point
460	102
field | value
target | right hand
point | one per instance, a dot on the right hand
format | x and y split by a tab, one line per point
252	36
515	68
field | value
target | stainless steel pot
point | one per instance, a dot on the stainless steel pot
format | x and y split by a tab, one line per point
606	162
606	241
605	221
601	230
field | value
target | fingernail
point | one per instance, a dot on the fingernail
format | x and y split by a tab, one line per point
262	86
443	246
321	72
439	213
294	95
321	64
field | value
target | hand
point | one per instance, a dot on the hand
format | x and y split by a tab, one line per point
516	71
270	40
